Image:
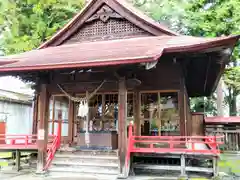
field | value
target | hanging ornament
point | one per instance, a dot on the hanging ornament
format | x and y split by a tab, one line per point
80	107
85	108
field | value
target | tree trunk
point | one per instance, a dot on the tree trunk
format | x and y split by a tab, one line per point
232	102
220	99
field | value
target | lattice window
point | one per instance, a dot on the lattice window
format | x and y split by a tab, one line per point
130	105
112	29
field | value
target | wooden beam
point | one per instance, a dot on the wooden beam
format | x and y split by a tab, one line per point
43	128
35	114
18	160
122	128
137	112
71	121
181	100
159	115
53	114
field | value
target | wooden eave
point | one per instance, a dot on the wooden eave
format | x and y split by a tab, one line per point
124	51
121	7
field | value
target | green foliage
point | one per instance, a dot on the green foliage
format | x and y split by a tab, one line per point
25	24
212	19
206	105
232	78
168	12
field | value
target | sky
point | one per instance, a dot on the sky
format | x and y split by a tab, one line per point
13	84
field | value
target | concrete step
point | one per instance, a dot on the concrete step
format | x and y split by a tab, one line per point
79	162
78	175
85	169
88	162
90	152
69	156
87	159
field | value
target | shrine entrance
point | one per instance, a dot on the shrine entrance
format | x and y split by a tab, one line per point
101	125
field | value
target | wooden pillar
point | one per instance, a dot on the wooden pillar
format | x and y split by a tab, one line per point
35	114
181	101
53	114
103	111
159	115
18	159
183	166
43	127
122	127
70	121
137	112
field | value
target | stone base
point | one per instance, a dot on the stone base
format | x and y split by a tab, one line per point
41	173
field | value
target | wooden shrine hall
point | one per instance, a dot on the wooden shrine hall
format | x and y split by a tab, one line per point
112	66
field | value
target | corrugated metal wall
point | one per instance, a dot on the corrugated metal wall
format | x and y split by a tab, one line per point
18	117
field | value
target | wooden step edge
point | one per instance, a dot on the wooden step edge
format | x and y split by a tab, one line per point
70	163
75	170
86	157
79	175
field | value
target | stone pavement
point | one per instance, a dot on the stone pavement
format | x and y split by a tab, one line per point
32	176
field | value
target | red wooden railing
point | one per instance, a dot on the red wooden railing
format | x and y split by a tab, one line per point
54	146
17	141
172	144
23	141
51	152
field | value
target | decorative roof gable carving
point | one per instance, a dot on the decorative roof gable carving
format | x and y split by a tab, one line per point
103	14
106	24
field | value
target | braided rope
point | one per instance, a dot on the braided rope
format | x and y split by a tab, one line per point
78	100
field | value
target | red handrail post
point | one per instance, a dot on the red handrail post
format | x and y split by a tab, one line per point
130	131
26	140
130	135
215	144
59	133
171	143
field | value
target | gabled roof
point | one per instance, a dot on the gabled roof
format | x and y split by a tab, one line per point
123	8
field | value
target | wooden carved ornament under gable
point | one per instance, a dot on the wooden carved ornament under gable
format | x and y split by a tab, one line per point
103	14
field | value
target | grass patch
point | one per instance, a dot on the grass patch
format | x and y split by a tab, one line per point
7	155
229	164
4	155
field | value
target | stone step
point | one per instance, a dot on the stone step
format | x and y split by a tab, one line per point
90	152
78	175
85	169
85	159
87	162
79	162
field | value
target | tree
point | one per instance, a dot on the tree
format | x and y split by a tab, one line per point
203	18
25	24
218	18
168	12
